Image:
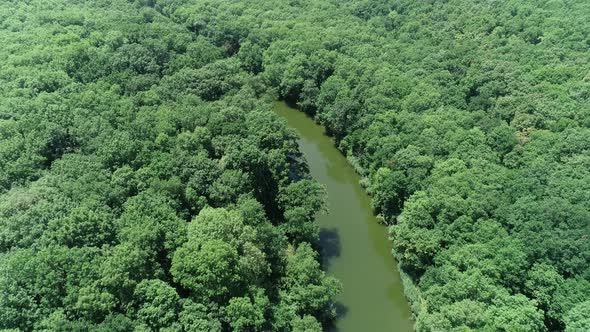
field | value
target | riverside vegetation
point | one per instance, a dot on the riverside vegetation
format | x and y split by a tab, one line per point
146	185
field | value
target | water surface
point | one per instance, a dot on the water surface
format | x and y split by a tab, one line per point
355	248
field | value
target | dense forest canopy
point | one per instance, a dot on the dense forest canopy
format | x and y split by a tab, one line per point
121	121
144	184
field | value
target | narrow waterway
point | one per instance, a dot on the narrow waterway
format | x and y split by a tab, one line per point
355	247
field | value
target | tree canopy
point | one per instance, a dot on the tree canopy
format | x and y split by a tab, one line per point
145	185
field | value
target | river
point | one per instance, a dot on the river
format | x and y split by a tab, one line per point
355	247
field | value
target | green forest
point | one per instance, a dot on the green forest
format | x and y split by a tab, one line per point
146	185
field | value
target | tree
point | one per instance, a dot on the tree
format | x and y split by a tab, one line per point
577	318
306	287
248	313
209	270
157	304
306	324
196	317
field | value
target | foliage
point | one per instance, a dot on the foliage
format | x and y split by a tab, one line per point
122	121
144	184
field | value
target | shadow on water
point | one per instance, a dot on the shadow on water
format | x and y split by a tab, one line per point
331	248
341	311
330	245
